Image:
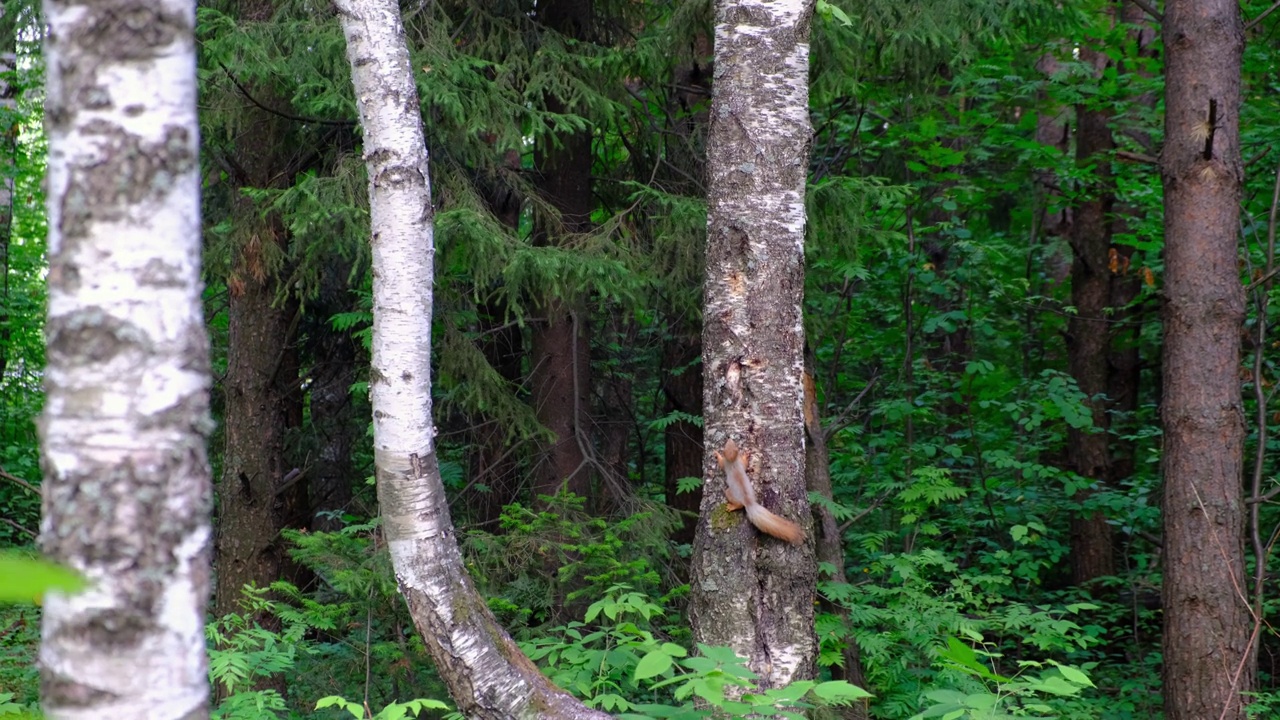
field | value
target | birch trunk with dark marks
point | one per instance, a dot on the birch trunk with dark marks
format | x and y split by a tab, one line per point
486	673
751	592
127	487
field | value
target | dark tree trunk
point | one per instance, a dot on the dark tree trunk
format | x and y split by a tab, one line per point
1208	662
829	546
495	474
1089	333
494	464
559	382
260	400
335	356
261	386
560	357
682	440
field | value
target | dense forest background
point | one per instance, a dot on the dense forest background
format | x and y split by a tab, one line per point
983	302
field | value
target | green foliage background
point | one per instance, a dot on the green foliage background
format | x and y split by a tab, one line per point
931	279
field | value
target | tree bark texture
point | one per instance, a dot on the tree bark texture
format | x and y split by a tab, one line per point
828	542
8	159
1207	657
259	400
560	350
127	492
682	439
484	670
1089	332
335	356
1125	363
751	592
261	388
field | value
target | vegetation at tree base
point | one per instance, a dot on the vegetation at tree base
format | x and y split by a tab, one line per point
1007	331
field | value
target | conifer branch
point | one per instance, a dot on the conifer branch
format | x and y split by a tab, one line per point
280	113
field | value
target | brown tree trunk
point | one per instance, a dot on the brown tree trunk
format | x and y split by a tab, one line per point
1089	333
829	546
682	439
494	464
1125	363
260	399
261	384
560	354
1208	662
334	354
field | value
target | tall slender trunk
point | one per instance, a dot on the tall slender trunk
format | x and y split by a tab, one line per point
751	592
1089	331
829	544
261	387
682	439
486	673
1208	660
561	359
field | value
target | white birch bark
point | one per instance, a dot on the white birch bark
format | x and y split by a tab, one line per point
485	671
126	481
751	592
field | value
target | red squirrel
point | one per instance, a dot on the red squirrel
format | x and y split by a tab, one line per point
740	494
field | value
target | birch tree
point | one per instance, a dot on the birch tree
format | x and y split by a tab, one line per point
1208	663
485	671
126	480
750	592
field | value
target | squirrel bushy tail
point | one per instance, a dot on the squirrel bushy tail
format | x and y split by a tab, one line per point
740	494
774	525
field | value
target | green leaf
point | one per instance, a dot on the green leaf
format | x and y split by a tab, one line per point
1075	675
356	709
654	663
28	579
826	9
839	692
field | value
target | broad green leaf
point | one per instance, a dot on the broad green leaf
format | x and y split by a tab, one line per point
28	579
652	664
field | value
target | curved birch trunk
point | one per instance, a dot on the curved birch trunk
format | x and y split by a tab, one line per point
751	592
486	673
127	492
